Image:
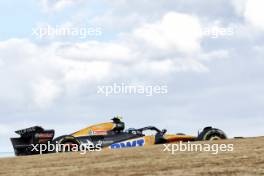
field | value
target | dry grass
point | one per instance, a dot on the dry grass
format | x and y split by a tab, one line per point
246	159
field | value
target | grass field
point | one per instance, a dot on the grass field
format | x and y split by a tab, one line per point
246	159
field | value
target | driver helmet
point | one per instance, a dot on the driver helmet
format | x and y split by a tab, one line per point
117	118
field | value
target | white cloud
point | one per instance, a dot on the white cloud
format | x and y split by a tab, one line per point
254	13
163	66
167	66
48	72
43	74
78	72
217	54
45	91
239	6
57	5
181	32
113	22
93	51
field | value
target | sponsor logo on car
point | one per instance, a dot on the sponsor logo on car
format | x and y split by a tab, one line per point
97	132
126	144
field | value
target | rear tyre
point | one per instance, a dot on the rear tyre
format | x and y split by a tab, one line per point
210	134
67	144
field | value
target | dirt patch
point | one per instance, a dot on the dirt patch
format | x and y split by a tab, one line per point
246	159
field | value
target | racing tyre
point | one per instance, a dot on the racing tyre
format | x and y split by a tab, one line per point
210	134
67	144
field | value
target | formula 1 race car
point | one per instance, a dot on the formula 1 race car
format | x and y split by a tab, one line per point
110	135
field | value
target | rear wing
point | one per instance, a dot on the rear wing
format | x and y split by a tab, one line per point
30	136
29	131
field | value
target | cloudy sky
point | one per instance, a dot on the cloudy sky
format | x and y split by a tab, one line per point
210	54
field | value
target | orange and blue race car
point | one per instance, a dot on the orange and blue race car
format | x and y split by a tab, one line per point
110	135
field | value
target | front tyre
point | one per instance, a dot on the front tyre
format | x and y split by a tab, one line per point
209	134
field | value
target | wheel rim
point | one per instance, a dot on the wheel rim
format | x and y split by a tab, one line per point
68	146
215	138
